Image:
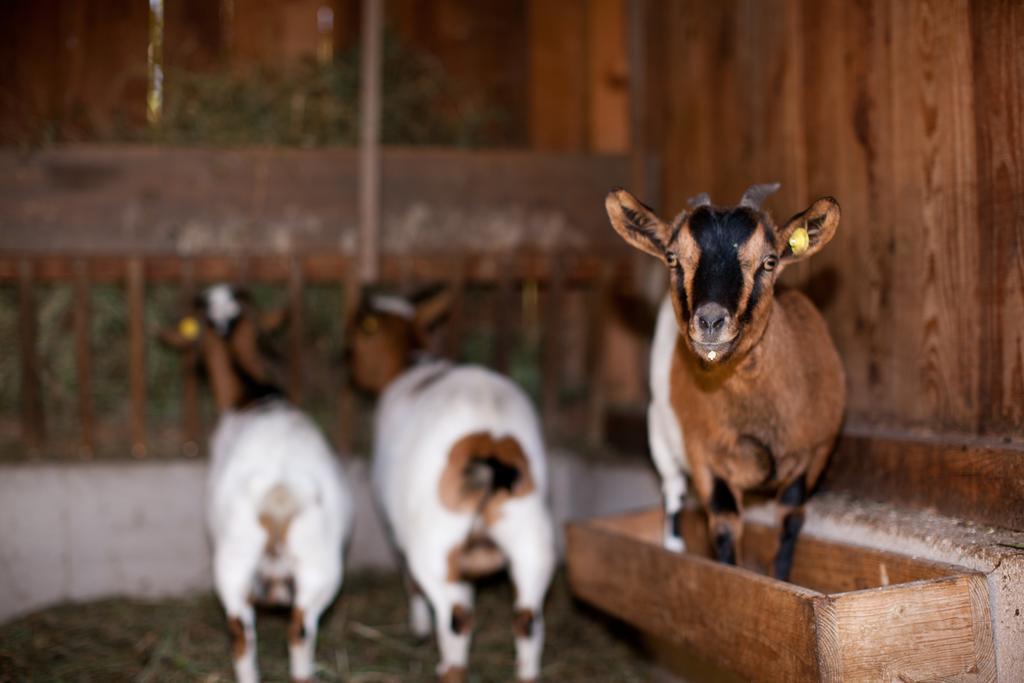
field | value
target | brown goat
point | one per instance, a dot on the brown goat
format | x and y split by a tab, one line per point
750	381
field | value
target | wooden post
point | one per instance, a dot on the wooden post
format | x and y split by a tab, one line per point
552	345
639	173
504	307
189	379
83	360
32	424
295	330
596	398
347	399
369	139
137	355
456	319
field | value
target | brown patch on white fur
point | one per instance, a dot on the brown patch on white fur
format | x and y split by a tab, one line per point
297	627
474	559
522	622
237	631
459	493
453	674
462	619
276	512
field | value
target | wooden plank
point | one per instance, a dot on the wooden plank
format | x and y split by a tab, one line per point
850	118
136	290
922	631
819	565
456	319
975	479
32	418
997	33
83	359
190	422
321	267
551	360
557	117
504	309
599	297
346	397
370	67
296	330
936	319
610	90
704	605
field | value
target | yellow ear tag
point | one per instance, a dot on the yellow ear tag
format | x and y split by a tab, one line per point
188	328
799	241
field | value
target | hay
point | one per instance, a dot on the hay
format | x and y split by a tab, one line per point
363	639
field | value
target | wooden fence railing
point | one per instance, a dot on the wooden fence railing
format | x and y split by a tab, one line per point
546	277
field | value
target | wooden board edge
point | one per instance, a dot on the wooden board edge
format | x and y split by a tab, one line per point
975	480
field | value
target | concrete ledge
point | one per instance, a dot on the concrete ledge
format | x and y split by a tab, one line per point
82	531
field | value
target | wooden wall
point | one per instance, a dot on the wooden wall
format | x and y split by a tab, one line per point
554	72
911	113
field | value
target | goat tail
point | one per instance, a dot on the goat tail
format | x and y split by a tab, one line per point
276	511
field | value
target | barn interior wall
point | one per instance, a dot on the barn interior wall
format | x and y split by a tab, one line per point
910	113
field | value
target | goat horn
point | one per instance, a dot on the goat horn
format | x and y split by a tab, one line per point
700	200
756	194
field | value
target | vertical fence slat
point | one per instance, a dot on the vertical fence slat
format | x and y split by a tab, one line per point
190	378
32	425
83	359
347	399
136	289
295	329
598	304
456	319
552	346
504	305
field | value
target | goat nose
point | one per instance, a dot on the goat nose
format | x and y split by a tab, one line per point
712	317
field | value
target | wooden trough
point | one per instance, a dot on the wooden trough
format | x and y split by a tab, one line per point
851	613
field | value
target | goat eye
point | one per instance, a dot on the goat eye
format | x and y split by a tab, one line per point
370	325
770	261
672	259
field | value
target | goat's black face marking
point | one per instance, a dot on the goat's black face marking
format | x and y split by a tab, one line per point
720	233
722	499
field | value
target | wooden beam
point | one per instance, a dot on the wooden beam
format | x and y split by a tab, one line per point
320	267
504	309
599	298
976	479
296	325
32	419
346	397
83	359
136	291
457	316
190	422
369	138
551	360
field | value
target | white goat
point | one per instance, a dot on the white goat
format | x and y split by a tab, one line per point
278	505
461	475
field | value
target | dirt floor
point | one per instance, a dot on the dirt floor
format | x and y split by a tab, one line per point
363	639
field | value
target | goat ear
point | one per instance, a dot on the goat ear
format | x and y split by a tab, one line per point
272	320
637	223
806	233
429	311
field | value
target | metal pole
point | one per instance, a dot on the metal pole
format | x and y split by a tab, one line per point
369	139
